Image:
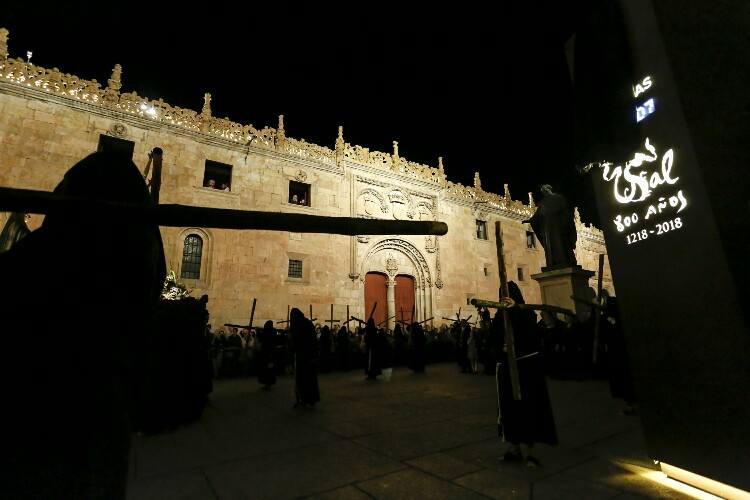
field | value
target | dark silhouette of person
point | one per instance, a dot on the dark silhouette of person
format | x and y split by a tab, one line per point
325	344
399	345
305	349
14	230
552	333
84	289
372	353
342	348
265	349
555	228
462	359
618	362
418	348
529	420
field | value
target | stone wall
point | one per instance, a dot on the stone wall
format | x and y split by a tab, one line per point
47	124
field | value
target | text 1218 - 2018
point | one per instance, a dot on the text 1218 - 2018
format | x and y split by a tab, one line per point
659	229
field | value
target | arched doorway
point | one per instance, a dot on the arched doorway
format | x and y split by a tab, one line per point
404	298
376	291
409	262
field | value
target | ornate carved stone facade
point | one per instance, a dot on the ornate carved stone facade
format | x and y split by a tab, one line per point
49	120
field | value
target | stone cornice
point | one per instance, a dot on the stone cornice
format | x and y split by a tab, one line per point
146	124
23	79
390	185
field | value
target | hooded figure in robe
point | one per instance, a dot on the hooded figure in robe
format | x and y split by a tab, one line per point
84	289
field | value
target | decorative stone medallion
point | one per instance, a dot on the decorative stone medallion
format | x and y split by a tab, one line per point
117	129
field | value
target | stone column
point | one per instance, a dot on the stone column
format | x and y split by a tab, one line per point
391	267
391	295
418	298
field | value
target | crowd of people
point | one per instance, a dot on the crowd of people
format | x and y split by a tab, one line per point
298	199
211	183
101	387
548	347
268	352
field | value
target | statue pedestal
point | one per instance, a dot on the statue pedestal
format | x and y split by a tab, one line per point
559	284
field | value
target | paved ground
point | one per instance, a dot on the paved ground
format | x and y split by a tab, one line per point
416	436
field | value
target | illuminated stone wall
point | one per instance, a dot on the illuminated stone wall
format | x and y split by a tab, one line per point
49	121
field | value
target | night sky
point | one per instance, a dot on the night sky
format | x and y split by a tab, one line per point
488	90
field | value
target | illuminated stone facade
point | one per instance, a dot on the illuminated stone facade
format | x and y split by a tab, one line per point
50	120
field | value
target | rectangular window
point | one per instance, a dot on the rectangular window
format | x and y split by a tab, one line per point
481	230
486	270
217	176
295	268
530	239
521	276
115	145
299	193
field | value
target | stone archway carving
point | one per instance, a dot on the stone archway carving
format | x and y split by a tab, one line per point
370	192
406	248
420	270
402	205
426	208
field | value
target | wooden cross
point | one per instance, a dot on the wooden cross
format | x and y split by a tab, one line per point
509	339
374	306
288	310
507	302
249	326
598	310
597	307
386	320
252	312
332	321
458	317
311	316
172	215
401	321
354	318
349	318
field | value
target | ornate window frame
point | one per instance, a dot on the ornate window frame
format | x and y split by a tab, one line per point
206	257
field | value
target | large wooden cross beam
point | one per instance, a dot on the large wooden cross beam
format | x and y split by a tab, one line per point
172	215
507	302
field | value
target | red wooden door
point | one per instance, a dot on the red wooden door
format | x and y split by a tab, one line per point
404	298
375	291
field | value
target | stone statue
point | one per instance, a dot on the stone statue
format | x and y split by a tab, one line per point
554	227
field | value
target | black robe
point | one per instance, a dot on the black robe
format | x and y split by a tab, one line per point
342	349
325	344
305	348
528	420
553	338
372	352
618	363
418	346
264	357
72	379
399	345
